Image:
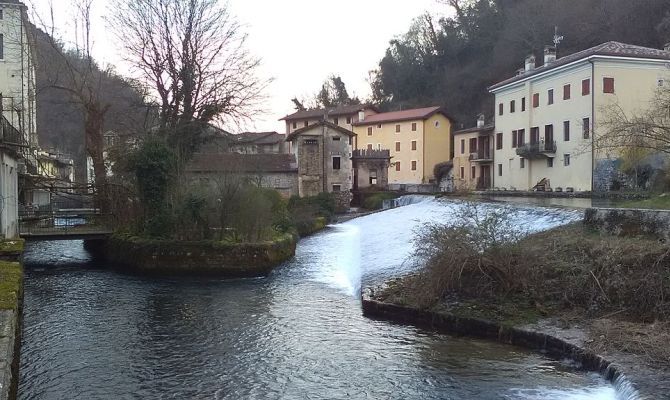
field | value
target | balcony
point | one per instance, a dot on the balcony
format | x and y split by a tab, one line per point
10	136
542	149
482	156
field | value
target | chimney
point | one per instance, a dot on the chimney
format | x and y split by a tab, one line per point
520	71
667	47
530	63
361	116
549	54
480	121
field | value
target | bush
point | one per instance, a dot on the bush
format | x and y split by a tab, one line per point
376	201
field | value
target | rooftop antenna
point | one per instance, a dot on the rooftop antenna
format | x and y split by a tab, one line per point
557	38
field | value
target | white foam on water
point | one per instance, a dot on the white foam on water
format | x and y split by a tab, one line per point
602	393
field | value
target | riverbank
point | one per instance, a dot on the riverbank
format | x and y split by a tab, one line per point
11	301
597	293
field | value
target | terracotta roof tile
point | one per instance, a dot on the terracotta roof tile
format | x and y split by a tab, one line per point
404	115
318	113
235	162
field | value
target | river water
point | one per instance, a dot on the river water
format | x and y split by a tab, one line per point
92	333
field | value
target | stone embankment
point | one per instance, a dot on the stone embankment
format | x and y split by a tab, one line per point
166	257
11	302
629	222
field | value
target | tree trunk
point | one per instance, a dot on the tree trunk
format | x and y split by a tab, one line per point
95	117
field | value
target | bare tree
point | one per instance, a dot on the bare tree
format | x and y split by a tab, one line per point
192	55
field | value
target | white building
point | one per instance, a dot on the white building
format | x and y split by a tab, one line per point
18	134
546	117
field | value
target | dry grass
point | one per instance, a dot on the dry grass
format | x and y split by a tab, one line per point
647	340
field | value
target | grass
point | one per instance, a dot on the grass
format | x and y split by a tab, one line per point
659	202
11	275
11	247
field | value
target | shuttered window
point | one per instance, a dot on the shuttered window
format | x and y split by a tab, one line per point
608	85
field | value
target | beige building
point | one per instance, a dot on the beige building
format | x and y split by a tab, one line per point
473	157
323	152
418	139
546	117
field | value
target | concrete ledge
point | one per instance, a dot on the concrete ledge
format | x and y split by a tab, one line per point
477	328
11	307
165	257
629	222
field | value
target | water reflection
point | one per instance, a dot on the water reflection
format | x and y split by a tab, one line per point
91	333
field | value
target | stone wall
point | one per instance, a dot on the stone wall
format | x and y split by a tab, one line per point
629	222
11	309
157	257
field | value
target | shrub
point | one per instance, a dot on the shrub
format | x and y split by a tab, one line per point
376	201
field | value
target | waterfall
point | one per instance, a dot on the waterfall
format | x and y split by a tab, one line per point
406	201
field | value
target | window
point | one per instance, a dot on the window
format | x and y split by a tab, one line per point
500	108
661	82
586	87
473	145
2	13
336	162
534	135
336	121
566	131
566	92
608	85
437	124
413	165
548	134
336	138
397	165
397	146
512	106
522	137
499	139
337	188
522	162
462	172
349	120
499	169
369	131
566	160
550	163
462	146
515	139
523	104
536	100
351	141
413	126
397	129
586	128
379	126
310	141
379	146
413	144
306	124
295	125
550	96
369	146
473	172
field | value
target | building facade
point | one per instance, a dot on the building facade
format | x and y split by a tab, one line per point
259	143
371	169
323	153
418	140
473	158
547	117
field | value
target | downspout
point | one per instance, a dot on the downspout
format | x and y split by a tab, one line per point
323	146
593	124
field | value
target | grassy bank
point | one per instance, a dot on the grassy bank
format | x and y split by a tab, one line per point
657	202
10	285
571	273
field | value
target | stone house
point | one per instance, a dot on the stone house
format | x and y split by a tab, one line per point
259	143
274	171
371	169
547	116
323	152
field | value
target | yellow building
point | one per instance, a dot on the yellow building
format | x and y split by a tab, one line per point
473	157
547	117
418	139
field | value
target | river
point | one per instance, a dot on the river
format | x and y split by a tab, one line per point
92	333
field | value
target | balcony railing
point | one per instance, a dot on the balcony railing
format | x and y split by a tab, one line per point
371	154
482	155
540	149
10	136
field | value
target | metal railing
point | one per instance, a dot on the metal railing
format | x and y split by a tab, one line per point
537	150
52	220
368	153
11	136
482	155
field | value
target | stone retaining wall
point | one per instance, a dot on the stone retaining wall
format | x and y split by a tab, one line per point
472	327
629	222
11	313
158	257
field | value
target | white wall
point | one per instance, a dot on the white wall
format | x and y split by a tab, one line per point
8	196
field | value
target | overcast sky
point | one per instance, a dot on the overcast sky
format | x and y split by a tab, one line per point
300	42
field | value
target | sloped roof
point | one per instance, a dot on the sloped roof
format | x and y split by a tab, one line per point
259	137
485	128
612	49
235	162
404	115
330	125
333	112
